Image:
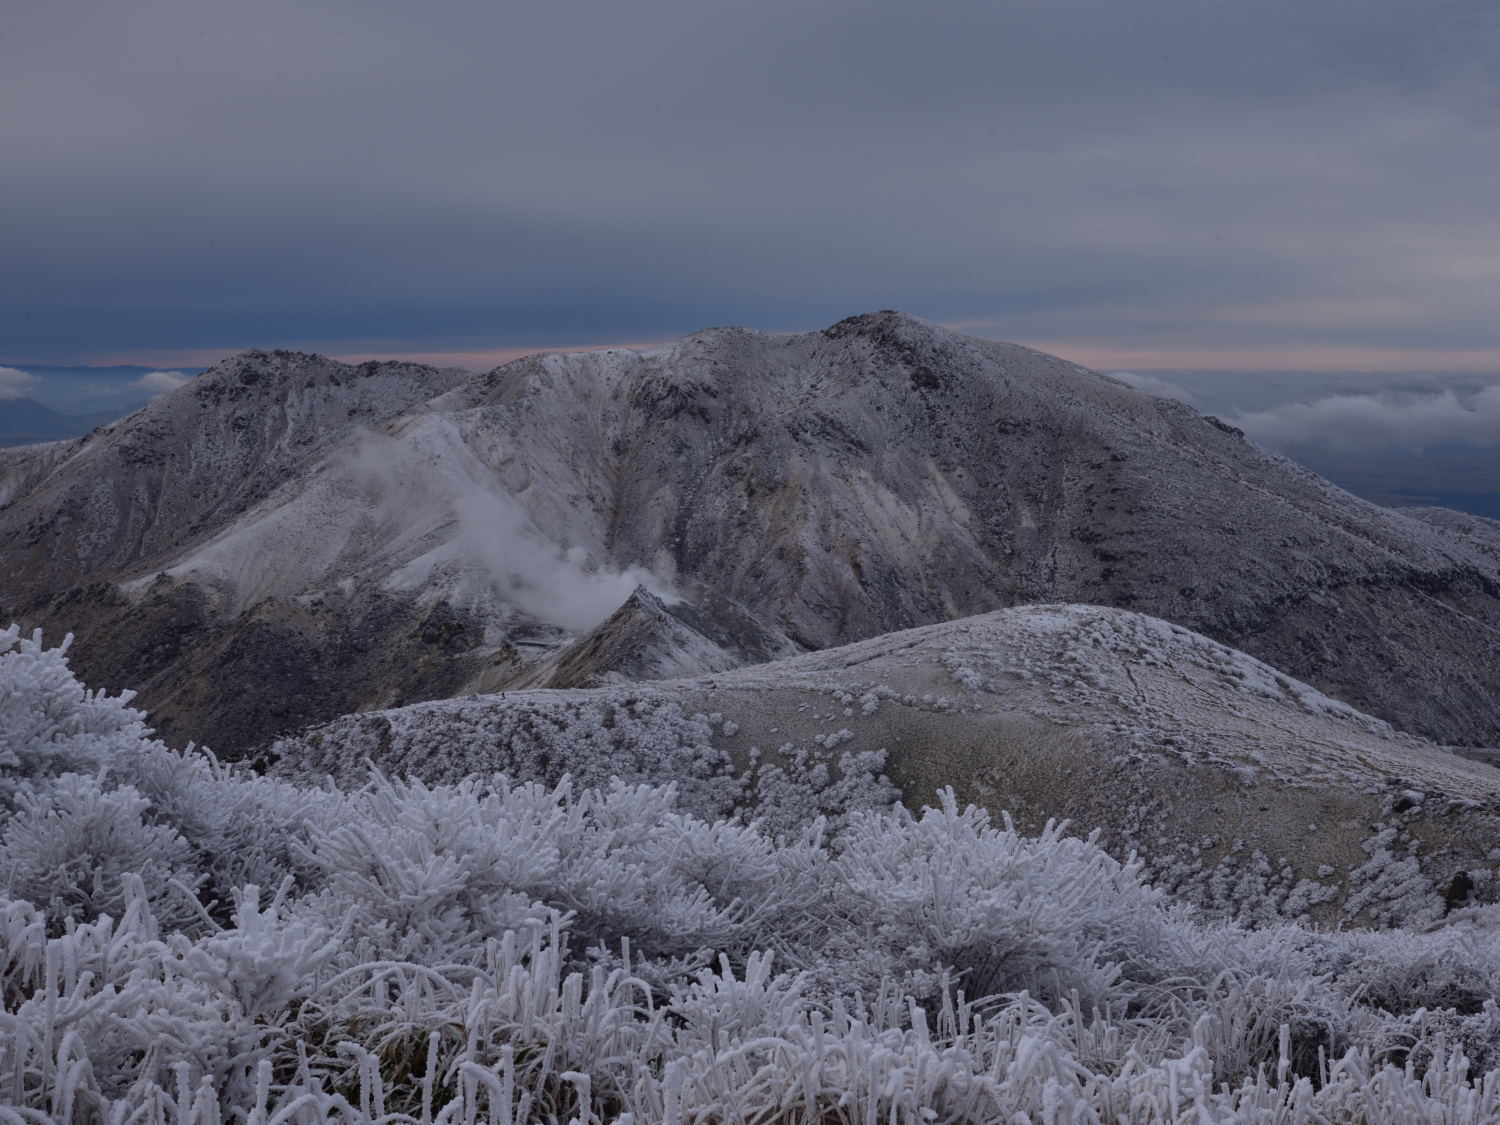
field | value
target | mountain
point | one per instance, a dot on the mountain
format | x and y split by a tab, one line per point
24	421
649	639
1246	791
288	538
92	525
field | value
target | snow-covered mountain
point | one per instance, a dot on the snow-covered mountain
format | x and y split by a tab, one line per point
289	539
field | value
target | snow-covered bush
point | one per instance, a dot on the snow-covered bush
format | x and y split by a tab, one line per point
188	942
633	734
71	847
947	892
49	722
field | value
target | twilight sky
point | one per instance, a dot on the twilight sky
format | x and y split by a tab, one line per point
1148	184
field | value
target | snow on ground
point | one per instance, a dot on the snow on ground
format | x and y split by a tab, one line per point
415	513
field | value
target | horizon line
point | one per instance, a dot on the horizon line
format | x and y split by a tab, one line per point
1100	356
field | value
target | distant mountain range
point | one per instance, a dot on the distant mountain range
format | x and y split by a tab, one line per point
24	420
288	539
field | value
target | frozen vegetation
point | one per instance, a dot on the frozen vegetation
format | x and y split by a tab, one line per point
186	941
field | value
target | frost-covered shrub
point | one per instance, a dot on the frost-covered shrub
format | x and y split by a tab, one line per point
260	826
1403	971
544	736
803	785
435	874
237	827
949	891
438	871
597	737
70	847
50	723
265	959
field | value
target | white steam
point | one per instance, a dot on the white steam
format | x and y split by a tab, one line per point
15	383
532	572
495	549
1386	421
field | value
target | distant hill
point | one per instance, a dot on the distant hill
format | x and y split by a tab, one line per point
24	421
1192	755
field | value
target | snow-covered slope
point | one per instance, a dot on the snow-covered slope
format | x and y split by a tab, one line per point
881	474
89	528
148	488
1247	790
1485	532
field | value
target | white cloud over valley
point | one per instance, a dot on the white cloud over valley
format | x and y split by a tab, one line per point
1381	421
15	383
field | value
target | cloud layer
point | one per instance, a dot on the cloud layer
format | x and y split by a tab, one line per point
377	175
15	383
1373	422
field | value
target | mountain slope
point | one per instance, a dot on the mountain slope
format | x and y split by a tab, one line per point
91	525
1485	532
1246	790
878	475
183	466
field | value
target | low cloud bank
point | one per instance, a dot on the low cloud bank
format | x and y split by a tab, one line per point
15	383
1385	421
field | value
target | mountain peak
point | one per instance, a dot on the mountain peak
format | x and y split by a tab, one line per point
885	324
877	319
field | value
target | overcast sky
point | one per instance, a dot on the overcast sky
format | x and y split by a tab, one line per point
1145	184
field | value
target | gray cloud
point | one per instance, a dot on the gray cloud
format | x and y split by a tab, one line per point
1413	421
474	174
